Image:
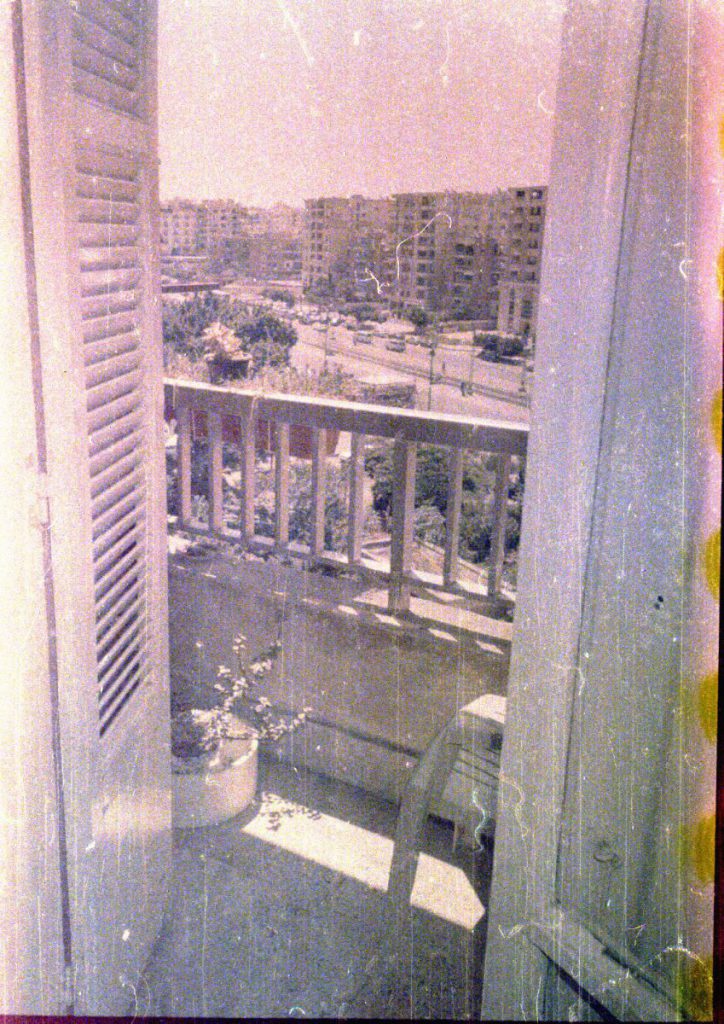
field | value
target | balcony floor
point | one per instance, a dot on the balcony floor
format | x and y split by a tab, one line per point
281	912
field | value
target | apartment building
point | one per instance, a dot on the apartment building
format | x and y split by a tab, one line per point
446	252
463	254
189	227
520	253
263	243
419	228
273	256
179	224
220	221
347	245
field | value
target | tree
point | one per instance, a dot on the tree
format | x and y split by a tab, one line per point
418	317
185	322
431	484
266	338
279	295
495	345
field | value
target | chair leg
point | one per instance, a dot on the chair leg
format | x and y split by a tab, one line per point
426	784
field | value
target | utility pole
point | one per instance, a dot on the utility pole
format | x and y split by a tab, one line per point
470	375
324	310
433	348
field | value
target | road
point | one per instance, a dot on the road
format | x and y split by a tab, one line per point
496	385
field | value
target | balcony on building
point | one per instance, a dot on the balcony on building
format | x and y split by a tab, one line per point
384	637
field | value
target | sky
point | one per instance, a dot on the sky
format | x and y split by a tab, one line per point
268	101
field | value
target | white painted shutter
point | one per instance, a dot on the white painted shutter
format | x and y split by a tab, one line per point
111	293
90	73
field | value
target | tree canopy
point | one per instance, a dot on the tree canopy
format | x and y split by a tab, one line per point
263	336
431	487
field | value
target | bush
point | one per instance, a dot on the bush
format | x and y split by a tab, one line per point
266	338
279	295
418	317
431	484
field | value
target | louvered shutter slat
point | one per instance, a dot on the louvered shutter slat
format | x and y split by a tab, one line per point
109	281
105	14
107	348
123	442
103	307
111	707
97	62
102	236
124	612
95	87
104	437
115	366
125	677
117	468
105	211
123	608
118	257
113	542
110	44
102	396
121	644
118	581
122	405
117	516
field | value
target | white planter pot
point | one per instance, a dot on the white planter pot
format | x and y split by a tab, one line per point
207	793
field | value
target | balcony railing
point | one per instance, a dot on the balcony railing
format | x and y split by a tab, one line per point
220	415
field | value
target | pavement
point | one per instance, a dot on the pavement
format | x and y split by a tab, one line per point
282	911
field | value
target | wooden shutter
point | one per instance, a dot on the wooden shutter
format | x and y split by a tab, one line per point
90	78
111	298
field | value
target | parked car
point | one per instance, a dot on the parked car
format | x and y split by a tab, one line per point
396	345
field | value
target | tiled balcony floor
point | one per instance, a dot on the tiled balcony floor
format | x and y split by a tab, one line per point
281	912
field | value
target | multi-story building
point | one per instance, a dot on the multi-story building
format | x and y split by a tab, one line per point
180	227
419	228
274	256
285	220
462	254
262	242
221	221
521	249
445	252
347	245
326	240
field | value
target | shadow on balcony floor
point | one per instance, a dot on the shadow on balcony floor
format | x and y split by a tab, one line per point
282	912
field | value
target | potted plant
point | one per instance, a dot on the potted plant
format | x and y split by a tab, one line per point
214	751
224	354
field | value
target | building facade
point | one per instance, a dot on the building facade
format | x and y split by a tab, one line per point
467	255
261	243
347	246
520	230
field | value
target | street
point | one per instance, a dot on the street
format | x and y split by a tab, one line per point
496	385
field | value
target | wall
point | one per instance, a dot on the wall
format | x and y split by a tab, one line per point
383	689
